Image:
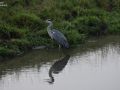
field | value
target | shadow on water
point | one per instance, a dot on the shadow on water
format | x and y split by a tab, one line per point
57	67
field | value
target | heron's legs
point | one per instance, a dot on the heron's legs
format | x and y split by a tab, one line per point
52	43
60	54
59	47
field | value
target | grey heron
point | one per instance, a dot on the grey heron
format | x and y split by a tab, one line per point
57	35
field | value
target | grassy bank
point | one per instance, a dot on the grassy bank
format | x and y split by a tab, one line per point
22	23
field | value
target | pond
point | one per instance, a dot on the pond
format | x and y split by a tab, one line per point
94	65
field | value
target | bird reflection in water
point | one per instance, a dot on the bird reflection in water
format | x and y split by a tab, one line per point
57	67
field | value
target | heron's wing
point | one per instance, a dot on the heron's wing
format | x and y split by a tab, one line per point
59	34
60	38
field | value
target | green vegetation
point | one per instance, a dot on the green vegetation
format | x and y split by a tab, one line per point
22	23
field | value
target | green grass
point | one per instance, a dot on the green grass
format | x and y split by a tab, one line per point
22	23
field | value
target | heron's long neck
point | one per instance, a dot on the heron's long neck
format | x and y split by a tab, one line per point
49	28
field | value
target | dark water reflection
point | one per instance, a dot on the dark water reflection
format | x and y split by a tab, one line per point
92	66
57	67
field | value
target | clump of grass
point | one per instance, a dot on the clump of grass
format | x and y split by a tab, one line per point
113	21
22	44
4	51
29	21
109	5
39	39
7	31
74	37
90	25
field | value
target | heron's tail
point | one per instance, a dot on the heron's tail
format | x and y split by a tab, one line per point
66	45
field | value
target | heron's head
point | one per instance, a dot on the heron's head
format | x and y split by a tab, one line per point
48	21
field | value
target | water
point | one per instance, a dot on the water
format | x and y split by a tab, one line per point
92	66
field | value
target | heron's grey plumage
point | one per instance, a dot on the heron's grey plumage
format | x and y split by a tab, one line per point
57	35
60	38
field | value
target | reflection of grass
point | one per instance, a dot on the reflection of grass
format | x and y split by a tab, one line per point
22	22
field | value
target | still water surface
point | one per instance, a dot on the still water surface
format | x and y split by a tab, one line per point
92	66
